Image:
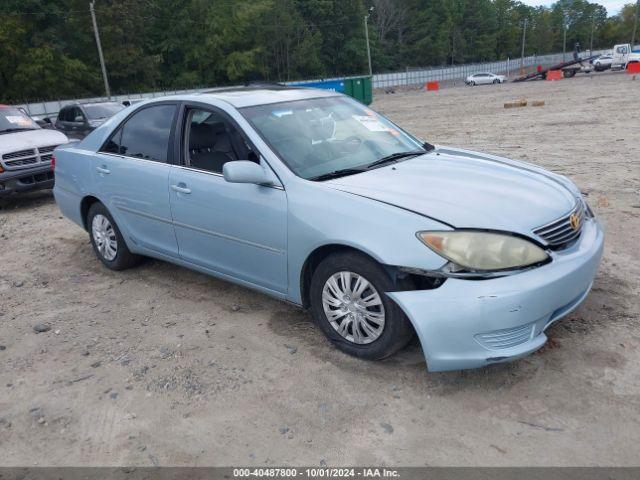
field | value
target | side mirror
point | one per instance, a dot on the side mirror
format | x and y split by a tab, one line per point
244	171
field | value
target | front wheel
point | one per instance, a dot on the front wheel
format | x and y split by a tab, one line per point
349	304
107	241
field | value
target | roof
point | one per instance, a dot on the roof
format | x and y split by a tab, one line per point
260	95
73	104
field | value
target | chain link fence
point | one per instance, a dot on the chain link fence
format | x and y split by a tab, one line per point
408	77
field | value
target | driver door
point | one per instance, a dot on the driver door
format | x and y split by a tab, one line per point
236	230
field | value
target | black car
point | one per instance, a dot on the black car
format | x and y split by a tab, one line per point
77	120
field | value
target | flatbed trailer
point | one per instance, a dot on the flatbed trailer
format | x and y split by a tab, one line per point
569	69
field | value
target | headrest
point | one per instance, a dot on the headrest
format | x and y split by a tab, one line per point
202	135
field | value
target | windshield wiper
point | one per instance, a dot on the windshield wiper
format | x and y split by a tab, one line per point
395	157
337	174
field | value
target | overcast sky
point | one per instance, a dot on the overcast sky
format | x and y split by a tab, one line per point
612	6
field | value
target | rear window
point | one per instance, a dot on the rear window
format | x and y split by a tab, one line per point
13	119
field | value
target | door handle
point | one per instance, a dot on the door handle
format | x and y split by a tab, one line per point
181	188
104	170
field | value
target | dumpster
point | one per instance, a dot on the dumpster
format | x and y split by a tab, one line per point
356	87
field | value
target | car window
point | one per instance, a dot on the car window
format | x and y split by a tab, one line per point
211	140
63	115
12	119
76	112
102	110
145	134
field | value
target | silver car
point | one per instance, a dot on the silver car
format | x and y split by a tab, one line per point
603	63
484	79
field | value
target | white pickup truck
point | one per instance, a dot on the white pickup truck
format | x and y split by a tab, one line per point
623	55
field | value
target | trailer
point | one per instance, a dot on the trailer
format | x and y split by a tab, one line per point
569	69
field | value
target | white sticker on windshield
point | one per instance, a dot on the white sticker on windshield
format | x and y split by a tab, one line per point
370	123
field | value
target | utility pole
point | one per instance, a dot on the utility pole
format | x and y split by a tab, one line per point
524	37
564	43
366	36
102	65
635	25
593	25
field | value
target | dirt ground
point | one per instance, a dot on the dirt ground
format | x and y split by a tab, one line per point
163	366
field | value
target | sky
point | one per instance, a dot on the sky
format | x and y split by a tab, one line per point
612	6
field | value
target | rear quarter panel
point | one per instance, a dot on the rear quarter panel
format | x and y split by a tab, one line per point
73	181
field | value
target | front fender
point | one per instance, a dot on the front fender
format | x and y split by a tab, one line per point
319	216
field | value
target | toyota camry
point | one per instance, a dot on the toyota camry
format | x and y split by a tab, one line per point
313	198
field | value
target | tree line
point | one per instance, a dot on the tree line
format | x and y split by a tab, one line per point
48	50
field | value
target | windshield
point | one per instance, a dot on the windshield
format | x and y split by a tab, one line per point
321	135
12	119
102	110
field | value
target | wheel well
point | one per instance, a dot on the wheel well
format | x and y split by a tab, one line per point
402	279
312	262
85	205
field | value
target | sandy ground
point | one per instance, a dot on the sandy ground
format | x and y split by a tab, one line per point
161	365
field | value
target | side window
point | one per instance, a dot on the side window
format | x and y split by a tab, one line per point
65	114
76	115
211	141
145	135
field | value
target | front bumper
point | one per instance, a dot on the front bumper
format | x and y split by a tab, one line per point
473	323
24	180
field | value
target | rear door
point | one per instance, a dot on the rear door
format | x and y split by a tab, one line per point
131	172
238	230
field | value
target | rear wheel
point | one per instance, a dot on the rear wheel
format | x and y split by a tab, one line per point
107	241
349	304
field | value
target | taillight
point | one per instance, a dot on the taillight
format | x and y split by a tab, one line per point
53	162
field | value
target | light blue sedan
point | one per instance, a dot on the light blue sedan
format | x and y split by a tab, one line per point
311	197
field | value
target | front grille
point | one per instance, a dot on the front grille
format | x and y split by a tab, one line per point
26	158
21	153
507	338
48	149
561	232
21	161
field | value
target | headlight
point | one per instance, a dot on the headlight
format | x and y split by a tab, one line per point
485	251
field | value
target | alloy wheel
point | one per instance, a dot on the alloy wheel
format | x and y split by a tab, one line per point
353	307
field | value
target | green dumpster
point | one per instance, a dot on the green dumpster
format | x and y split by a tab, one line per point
359	88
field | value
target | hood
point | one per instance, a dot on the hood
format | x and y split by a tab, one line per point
16	141
468	190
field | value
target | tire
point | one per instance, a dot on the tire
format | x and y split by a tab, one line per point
496	81
362	336
104	234
473	84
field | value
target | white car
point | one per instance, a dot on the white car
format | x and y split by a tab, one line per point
603	62
484	79
25	152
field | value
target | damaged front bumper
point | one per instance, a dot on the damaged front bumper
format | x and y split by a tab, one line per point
472	323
